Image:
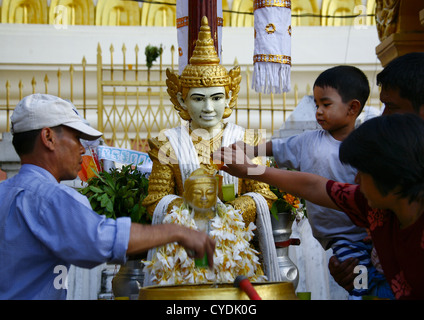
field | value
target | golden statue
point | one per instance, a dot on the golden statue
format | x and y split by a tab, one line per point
209	84
204	95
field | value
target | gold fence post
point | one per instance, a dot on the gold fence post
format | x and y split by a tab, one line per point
296	94
99	89
84	92
59	74
46	84
124	51
172	57
71	80
8	105
33	84
21	90
136	49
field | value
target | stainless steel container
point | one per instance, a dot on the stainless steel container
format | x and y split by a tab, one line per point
127	282
281	230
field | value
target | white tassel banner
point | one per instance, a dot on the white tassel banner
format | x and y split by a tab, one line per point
272	52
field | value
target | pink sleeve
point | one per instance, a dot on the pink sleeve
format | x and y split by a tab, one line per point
350	200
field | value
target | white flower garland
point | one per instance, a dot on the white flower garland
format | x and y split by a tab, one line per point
233	254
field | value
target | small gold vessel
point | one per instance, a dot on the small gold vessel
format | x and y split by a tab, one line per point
220	291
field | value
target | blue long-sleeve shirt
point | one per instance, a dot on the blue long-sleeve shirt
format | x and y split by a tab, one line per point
46	225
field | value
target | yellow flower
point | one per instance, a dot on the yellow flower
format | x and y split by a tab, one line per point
233	254
292	200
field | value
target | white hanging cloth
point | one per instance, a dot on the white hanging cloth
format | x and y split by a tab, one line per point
272	49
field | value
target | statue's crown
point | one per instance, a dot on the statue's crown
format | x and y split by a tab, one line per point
204	69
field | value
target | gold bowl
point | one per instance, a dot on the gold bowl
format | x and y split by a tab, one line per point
220	291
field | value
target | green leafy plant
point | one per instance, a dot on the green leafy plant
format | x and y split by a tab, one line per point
119	193
285	201
152	53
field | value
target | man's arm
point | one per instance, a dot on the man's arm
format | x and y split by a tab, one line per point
145	237
260	150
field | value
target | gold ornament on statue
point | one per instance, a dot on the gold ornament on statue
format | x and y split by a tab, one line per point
204	70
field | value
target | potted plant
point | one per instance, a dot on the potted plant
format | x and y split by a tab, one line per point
285	201
120	193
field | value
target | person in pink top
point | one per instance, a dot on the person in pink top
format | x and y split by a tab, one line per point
388	197
402	91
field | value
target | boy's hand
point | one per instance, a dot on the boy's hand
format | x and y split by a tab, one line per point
236	162
342	272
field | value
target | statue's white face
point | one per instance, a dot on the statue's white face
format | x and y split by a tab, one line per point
206	107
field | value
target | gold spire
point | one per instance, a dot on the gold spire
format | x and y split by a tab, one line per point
204	51
204	69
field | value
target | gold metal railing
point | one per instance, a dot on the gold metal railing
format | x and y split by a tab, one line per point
133	104
61	82
130	103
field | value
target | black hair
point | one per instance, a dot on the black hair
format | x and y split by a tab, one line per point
350	82
390	149
24	142
406	74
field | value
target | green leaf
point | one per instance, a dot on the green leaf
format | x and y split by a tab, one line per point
105	202
109	190
84	191
96	189
274	211
119	193
135	214
152	53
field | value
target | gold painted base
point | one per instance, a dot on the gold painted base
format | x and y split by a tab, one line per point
398	44
222	291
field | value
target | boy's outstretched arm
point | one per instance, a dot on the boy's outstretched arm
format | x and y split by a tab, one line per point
260	150
305	185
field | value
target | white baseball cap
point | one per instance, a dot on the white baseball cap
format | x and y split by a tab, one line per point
39	111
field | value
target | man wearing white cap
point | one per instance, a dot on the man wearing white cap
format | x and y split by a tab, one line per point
45	224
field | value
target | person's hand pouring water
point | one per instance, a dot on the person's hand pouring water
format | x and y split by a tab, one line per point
236	162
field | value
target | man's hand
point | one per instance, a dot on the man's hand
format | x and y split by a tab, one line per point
342	272
198	244
145	237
